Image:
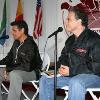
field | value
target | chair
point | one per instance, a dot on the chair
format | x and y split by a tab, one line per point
90	90
46	62
6	90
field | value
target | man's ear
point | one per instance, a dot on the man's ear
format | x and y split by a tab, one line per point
80	21
22	30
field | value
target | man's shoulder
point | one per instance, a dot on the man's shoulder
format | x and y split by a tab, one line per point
93	37
15	43
30	42
70	39
93	34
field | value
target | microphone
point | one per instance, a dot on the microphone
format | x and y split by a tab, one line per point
60	29
4	37
70	0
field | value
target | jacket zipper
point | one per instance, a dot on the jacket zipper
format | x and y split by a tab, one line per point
17	51
69	59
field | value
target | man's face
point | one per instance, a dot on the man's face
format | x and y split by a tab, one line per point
17	33
71	22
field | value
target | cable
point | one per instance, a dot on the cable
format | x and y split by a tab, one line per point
44	54
63	23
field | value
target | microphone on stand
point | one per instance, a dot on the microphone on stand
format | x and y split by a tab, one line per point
70	0
60	29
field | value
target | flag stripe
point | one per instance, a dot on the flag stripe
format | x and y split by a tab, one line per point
36	17
38	21
37	26
40	30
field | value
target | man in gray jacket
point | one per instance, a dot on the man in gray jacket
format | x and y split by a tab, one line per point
23	61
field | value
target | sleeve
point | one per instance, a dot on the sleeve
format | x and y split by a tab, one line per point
96	58
8	59
38	60
63	59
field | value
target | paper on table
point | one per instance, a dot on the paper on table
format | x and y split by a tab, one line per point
2	66
50	74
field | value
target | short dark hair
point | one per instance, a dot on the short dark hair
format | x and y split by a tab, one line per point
80	14
21	24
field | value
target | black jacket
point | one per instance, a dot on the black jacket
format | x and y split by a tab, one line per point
82	55
24	56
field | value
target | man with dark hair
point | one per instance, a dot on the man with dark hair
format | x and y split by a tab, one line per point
23	62
80	15
79	63
21	24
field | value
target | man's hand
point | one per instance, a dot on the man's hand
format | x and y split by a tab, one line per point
64	70
5	73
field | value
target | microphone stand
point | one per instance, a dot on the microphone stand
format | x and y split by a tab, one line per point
55	70
60	29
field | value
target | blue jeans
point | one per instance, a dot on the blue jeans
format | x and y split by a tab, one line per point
77	86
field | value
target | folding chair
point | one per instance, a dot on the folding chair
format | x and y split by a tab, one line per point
6	90
90	90
46	63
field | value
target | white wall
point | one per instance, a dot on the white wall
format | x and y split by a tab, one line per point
52	19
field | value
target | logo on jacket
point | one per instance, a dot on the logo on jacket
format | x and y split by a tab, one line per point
81	50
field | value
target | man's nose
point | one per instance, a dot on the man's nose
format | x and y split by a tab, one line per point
12	33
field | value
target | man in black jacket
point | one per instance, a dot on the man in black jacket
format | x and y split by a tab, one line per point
79	63
23	62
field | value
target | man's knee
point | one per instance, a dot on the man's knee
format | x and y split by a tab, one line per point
76	82
47	81
43	79
14	75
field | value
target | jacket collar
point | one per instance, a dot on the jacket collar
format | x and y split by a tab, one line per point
82	35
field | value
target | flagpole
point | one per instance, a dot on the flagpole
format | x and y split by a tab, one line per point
64	24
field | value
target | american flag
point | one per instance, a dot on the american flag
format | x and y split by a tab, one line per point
38	21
